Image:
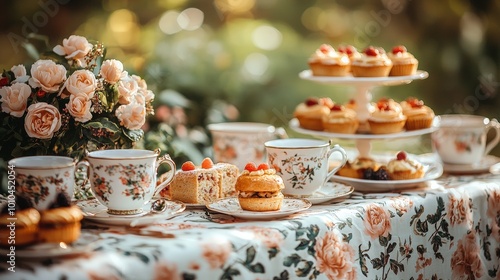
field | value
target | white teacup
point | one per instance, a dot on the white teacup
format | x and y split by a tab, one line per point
124	180
241	142
41	178
462	139
303	163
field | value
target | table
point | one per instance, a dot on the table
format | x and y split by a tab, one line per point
449	230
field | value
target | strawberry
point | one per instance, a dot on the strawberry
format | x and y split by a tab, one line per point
336	107
207	163
399	49
263	166
401	156
188	166
325	48
371	51
251	167
311	101
415	103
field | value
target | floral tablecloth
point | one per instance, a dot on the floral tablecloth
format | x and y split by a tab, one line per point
449	230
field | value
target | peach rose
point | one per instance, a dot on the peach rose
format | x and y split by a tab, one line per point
216	252
127	88
15	99
20	74
164	270
81	82
377	221
79	107
143	88
465	261
459	210
47	75
272	238
131	116
401	204
112	71
493	213
42	120
334	257
75	47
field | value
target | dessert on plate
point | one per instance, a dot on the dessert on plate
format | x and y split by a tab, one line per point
387	118
403	62
310	112
357	167
372	63
26	223
340	120
259	188
326	61
404	168
418	115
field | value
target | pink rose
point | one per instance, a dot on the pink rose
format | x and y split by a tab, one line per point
20	74
112	71
82	82
334	257
15	99
216	252
466	261
131	116
493	213
47	75
42	120
459	210
79	107
377	221
75	47
127	88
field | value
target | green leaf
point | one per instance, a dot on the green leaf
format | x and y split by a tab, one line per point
304	271
272	252
283	276
250	255
303	244
377	263
293	259
257	268
391	247
134	134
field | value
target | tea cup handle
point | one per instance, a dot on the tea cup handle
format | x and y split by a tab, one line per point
170	174
281	133
336	148
494	125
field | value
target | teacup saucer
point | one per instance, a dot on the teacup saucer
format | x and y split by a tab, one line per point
481	167
330	192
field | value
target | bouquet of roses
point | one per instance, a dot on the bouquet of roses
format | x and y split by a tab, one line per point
72	100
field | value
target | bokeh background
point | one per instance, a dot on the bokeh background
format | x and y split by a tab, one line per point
238	60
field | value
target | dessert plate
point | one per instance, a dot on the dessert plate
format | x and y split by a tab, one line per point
481	167
331	191
96	212
231	206
350	80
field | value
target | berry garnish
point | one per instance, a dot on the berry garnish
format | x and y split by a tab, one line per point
207	163
311	101
399	49
414	102
336	107
62	200
263	166
325	48
251	167
371	51
380	174
401	156
188	166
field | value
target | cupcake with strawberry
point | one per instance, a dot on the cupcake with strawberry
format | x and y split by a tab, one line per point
419	116
387	118
340	120
310	113
372	63
403	62
326	61
350	51
404	168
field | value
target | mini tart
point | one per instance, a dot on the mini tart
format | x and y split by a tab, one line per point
387	118
26	227
60	225
325	61
404	169
403	62
372	63
356	168
418	115
341	120
260	190
310	112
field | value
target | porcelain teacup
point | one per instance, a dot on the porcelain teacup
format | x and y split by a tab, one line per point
124	180
41	178
303	163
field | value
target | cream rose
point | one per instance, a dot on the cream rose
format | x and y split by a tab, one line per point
82	82
131	116
75	47
15	99
377	221
334	257
127	88
79	107
112	71
20	74
47	75
42	120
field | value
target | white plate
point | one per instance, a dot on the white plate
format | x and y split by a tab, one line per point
294	124
231	206
495	168
330	192
96	212
481	167
350	80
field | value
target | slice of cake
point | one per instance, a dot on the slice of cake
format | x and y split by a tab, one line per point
228	176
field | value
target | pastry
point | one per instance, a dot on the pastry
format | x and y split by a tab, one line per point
340	120
351	52
387	117
403	168
228	175
403	62
325	61
356	168
26	219
418	115
61	222
372	63
259	188
310	112
362	115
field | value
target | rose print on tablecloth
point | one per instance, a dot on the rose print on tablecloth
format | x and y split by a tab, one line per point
459	210
377	221
271	238
334	257
216	252
165	270
493	213
465	262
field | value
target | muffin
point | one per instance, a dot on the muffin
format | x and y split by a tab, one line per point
351	52
418	116
372	63
357	168
403	168
403	62
26	223
387	117
61	222
325	61
310	112
340	120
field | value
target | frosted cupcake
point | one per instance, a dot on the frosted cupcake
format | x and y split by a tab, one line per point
310	113
340	120
350	51
362	115
403	62
387	118
325	61
403	168
372	63
418	115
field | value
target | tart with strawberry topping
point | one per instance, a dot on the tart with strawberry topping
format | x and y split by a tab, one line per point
403	62
310	112
326	61
387	118
404	168
340	120
419	116
372	63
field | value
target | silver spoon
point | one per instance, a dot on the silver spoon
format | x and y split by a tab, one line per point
158	206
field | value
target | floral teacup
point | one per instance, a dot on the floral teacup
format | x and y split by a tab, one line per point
303	163
124	180
41	178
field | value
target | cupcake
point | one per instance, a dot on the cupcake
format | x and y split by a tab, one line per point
340	120
351	52
403	168
387	117
418	115
372	63
403	62
310	112
61	222
361	115
356	169
26	219
325	61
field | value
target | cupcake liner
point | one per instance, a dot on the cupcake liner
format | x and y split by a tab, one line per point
348	127
371	71
386	127
403	69
332	70
66	233
406	175
310	123
418	123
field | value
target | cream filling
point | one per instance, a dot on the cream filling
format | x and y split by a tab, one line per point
404	165
260	172
259	194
